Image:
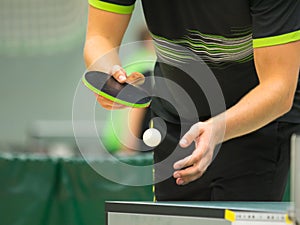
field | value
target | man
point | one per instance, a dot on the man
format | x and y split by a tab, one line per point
253	49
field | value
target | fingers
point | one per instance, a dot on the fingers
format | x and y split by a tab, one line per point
118	73
191	135
192	167
188	175
108	104
189	160
135	78
192	172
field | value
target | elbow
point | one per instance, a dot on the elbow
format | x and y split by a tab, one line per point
282	97
88	52
287	104
85	55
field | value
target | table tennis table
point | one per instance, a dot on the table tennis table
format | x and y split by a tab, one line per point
213	213
197	213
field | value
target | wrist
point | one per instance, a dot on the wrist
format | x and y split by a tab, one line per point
218	127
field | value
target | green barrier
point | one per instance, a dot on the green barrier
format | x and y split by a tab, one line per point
43	191
27	187
287	193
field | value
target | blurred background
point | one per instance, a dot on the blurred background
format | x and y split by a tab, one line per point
43	178
41	61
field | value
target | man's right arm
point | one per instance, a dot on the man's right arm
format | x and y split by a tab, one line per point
104	34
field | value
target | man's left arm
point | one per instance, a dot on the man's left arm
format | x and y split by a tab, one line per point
276	43
277	68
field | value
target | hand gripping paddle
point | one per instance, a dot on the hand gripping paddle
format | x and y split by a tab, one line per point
106	86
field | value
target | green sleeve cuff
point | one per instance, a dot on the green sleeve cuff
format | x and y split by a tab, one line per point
276	40
121	9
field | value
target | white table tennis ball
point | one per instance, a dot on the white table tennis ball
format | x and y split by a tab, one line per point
152	137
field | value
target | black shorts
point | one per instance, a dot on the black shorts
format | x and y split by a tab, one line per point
253	167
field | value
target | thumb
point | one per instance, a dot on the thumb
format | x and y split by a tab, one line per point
190	136
118	73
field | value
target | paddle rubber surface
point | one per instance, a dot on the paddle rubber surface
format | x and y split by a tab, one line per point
126	94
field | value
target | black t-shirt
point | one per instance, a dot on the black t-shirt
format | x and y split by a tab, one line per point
223	34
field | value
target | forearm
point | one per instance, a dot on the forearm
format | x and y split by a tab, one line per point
278	69
259	107
100	54
105	31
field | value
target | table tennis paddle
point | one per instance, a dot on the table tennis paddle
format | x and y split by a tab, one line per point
106	86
